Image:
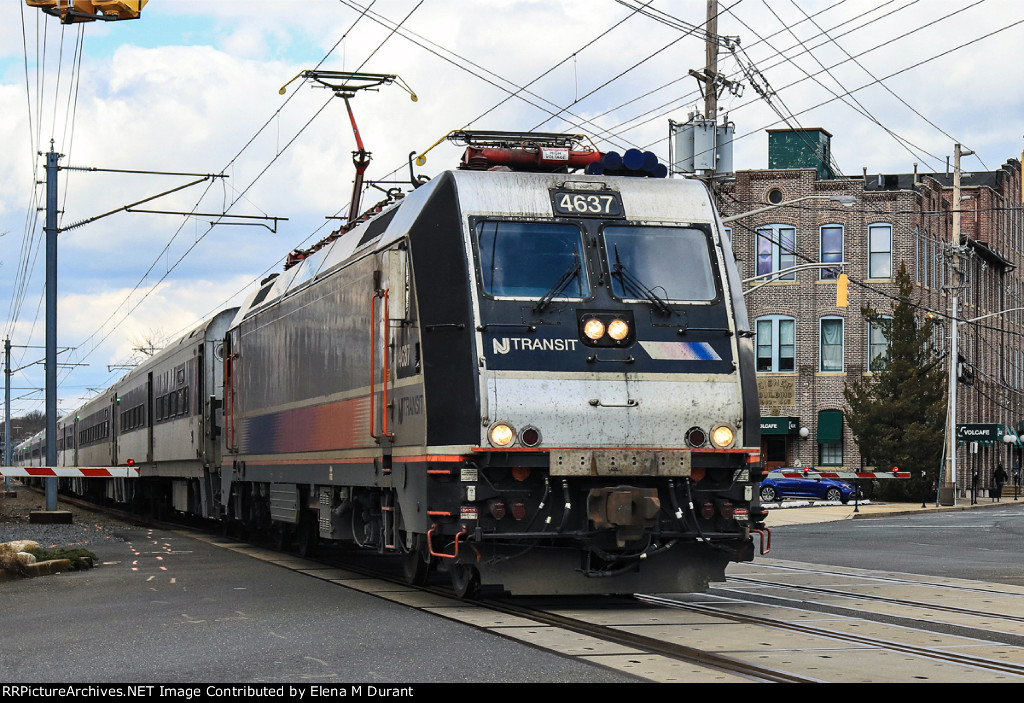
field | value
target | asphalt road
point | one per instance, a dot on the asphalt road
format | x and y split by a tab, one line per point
162	607
984	543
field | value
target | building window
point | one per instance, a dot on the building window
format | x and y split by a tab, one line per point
831	250
830	454
880	251
830	437
776	344
878	346
776	250
831	344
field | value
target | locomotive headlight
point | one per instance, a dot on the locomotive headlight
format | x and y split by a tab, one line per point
722	436
618	330
501	435
594	329
606	328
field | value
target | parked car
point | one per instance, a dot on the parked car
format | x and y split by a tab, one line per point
800	482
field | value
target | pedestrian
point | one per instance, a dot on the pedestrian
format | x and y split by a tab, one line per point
998	479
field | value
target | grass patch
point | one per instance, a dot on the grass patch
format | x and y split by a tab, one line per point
80	558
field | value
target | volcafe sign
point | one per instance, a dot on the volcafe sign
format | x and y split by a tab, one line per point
979	432
779	425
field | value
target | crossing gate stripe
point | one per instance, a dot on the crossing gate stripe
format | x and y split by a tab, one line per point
846	474
70	472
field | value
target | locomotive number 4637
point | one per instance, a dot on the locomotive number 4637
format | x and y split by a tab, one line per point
587	204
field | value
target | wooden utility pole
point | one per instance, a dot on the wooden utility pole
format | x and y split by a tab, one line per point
954	352
711	61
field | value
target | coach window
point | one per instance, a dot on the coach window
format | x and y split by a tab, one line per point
831	344
776	343
640	257
880	250
532	260
831	248
776	250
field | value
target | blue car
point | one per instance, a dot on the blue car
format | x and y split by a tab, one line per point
798	482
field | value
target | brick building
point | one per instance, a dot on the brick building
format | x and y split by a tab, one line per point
808	347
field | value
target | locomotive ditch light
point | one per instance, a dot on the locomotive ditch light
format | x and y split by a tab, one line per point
722	436
501	434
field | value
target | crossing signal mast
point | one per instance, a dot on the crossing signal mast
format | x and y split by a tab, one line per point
71	11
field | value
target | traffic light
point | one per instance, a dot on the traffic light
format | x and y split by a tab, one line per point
70	11
842	291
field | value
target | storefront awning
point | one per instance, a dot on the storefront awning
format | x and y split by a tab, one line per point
830	426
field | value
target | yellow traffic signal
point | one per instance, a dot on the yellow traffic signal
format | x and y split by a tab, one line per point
842	291
89	10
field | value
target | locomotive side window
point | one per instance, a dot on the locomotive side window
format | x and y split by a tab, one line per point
531	259
673	262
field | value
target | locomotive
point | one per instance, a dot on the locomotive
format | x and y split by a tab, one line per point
532	378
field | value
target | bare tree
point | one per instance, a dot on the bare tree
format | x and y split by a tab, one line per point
149	342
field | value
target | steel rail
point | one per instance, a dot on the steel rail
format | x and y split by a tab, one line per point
874	642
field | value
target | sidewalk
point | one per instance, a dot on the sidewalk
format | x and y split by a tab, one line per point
803	512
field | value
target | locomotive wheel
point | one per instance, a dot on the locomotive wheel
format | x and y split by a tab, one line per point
768	494
281	537
416	566
307	536
465	580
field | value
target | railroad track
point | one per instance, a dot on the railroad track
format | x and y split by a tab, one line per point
931	653
582	619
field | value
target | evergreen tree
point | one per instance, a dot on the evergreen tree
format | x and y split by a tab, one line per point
897	414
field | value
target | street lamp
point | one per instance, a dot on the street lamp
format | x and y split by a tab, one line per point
844	200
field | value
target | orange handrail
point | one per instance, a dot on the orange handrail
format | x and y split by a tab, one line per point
229	389
373	364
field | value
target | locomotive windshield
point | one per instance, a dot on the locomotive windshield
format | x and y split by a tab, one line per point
669	263
532	260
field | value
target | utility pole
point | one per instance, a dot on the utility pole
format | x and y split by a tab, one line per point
954	353
51	323
7	409
711	62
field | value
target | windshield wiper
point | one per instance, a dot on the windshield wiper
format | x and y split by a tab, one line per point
561	284
628	278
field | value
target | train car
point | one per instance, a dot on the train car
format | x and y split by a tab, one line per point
164	417
169	421
536	381
31	451
67	452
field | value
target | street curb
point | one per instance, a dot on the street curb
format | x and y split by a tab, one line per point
929	509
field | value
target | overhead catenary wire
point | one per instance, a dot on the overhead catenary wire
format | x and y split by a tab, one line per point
507	98
191	247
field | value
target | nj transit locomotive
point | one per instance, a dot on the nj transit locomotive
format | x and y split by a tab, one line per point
539	381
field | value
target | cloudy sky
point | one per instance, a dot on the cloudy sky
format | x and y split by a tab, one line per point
193	86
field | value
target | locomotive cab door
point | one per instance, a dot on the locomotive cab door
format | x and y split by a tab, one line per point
389	309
